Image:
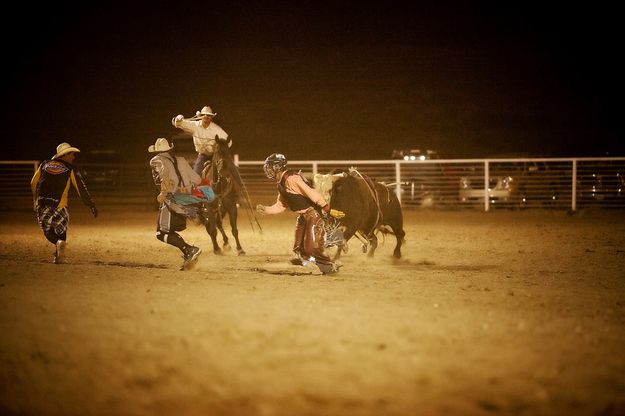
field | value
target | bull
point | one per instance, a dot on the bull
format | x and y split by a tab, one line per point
369	206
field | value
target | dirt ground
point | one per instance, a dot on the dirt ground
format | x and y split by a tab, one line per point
513	313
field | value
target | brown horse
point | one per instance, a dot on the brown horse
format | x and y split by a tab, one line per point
227	186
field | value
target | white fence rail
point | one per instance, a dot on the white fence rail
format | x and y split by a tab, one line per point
484	184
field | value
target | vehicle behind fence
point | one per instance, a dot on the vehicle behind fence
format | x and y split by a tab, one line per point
479	184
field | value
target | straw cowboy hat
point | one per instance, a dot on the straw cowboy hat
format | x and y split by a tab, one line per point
63	149
206	111
161	145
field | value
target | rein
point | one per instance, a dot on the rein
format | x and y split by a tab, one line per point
222	168
222	183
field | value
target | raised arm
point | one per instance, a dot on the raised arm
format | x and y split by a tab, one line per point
183	123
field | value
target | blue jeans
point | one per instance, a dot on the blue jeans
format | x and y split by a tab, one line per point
199	162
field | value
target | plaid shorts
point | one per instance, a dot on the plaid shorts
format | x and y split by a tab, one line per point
53	219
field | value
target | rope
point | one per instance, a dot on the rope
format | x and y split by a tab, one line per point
374	195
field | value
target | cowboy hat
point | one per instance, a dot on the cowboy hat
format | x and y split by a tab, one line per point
161	145
63	149
206	111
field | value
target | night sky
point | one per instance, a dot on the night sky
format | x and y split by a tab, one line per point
315	79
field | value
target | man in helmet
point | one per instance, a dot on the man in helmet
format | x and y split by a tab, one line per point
296	194
205	135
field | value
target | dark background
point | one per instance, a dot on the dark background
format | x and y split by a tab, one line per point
316	80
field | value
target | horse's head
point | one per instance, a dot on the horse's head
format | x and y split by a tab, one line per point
221	162
222	150
222	171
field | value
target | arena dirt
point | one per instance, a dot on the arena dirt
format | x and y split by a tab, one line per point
487	313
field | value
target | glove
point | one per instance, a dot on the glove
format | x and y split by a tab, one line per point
335	213
177	119
261	208
94	211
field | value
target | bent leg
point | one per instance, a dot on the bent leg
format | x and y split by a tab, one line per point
314	237
198	166
53	222
167	226
172	238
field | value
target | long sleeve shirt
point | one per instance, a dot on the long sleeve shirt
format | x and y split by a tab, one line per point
51	183
171	181
203	138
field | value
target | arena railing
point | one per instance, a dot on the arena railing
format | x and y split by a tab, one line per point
475	184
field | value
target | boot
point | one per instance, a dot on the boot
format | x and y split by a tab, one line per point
298	244
191	254
59	255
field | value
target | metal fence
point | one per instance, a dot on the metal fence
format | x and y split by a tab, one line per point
482	184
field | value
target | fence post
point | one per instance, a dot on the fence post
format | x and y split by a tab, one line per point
398	180
486	186
574	186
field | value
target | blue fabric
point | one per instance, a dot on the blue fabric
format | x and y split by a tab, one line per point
190	199
187	199
208	192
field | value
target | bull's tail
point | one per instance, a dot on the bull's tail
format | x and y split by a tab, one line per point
374	194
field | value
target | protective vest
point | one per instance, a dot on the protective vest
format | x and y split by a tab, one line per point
295	202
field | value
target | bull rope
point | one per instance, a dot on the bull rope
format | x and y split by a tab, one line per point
376	198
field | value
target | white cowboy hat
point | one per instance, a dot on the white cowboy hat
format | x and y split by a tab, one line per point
206	111
161	145
63	149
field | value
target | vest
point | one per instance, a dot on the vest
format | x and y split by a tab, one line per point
295	202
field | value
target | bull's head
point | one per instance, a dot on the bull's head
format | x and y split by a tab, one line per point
323	183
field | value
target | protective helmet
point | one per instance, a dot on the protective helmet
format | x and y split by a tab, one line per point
273	164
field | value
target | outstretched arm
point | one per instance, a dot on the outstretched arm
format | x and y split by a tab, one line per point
276	208
183	123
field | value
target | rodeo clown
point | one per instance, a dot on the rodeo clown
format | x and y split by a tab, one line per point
50	187
296	194
173	175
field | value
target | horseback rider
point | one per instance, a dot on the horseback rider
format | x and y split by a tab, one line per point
205	134
172	174
295	193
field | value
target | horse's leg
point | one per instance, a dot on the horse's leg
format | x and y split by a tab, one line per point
220	227
210	223
232	215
